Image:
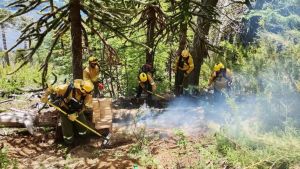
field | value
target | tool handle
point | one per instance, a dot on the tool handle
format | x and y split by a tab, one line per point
79	122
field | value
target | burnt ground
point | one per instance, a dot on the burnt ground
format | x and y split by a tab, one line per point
133	142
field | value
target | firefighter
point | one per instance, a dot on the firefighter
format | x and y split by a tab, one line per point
183	66
220	81
146	82
92	73
74	99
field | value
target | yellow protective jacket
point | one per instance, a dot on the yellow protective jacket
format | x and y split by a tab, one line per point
91	74
60	90
150	81
188	64
219	80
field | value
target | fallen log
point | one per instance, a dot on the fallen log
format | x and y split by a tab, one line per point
101	117
18	119
29	119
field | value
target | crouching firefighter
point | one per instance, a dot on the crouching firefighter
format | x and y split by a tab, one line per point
74	99
220	82
183	66
146	83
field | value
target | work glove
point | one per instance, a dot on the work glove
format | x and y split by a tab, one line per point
185	74
72	117
174	69
44	99
100	86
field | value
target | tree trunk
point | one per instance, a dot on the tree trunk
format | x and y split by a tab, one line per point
251	25
150	35
6	58
200	50
182	46
76	35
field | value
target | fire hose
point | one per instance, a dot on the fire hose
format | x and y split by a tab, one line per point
105	139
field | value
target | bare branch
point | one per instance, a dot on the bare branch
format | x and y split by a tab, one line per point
45	69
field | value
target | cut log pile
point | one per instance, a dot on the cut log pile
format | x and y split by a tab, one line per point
102	113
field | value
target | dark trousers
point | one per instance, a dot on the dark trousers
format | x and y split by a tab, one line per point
180	82
96	93
68	127
140	90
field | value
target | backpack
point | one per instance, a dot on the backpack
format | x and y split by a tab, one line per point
221	80
222	73
182	61
73	105
146	68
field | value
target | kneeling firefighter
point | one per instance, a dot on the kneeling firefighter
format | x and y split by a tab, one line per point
146	82
74	99
220	81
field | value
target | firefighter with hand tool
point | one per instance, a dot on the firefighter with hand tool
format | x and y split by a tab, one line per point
146	83
220	82
72	100
91	72
183	66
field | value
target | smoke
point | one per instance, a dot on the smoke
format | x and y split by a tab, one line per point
264	95
267	102
181	113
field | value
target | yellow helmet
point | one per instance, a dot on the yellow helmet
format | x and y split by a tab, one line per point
85	86
93	59
185	53
219	66
143	77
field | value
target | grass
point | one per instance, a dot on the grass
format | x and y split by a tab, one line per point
6	161
140	150
182	141
250	150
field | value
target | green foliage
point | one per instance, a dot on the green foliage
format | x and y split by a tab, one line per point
269	70
19	55
182	140
24	78
249	149
141	151
132	58
4	159
2	54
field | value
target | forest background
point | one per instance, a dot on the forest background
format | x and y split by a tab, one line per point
258	40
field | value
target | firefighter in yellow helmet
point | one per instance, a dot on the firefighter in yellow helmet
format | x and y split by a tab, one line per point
146	82
183	66
91	72
220	80
74	99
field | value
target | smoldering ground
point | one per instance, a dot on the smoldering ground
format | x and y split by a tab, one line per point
271	106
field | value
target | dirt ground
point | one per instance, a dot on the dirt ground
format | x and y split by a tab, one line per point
41	151
160	146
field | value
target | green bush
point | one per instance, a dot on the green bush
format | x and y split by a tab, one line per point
23	78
